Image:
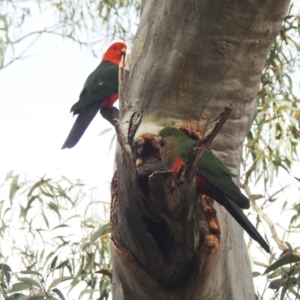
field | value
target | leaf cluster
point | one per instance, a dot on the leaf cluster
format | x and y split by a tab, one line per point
86	23
284	275
49	234
272	142
271	152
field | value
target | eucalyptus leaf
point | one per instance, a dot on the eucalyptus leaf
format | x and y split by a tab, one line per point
284	260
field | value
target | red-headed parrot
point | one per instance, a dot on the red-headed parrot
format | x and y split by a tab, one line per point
100	90
213	178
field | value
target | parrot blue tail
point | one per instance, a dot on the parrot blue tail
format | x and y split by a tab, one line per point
241	218
85	116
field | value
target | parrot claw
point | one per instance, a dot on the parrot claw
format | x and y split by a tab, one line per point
111	115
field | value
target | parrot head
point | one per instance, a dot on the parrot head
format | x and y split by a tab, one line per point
174	143
170	135
115	52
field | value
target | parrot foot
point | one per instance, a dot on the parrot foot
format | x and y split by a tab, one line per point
111	115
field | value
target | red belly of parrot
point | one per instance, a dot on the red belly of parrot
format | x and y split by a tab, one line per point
109	101
204	187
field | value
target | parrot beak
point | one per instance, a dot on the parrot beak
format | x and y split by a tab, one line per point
161	141
122	63
123	51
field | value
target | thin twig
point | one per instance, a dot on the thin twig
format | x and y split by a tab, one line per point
21	55
265	217
258	263
51	31
38	34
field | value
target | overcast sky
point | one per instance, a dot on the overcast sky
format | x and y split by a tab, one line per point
36	96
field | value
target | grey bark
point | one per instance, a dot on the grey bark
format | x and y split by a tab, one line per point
189	60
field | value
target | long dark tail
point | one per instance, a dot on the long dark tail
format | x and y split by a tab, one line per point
241	218
85	116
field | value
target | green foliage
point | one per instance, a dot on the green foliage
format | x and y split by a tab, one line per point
40	242
86	23
272	142
271	152
284	274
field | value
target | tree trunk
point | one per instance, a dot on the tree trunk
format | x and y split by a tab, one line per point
189	59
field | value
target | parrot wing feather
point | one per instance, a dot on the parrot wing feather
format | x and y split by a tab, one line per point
101	83
241	218
211	168
82	122
226	185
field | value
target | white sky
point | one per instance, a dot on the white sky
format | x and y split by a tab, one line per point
36	97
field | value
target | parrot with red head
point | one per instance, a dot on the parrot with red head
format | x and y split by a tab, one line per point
213	178
100	91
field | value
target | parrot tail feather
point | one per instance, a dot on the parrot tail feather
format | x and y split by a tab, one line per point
242	219
85	116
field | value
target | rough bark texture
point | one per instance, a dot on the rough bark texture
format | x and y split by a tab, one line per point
189	60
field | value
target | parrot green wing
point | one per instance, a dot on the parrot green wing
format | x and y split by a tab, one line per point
100	84
212	169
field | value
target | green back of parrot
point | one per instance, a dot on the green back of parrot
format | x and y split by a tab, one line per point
99	85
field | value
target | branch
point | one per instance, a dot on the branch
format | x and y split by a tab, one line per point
196	152
51	30
258	263
131	119
21	55
38	34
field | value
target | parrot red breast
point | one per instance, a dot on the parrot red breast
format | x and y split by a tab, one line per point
100	90
213	178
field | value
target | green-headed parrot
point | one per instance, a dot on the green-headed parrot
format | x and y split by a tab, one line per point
100	90
213	179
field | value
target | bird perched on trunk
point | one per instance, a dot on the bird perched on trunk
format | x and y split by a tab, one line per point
213	178
100	91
